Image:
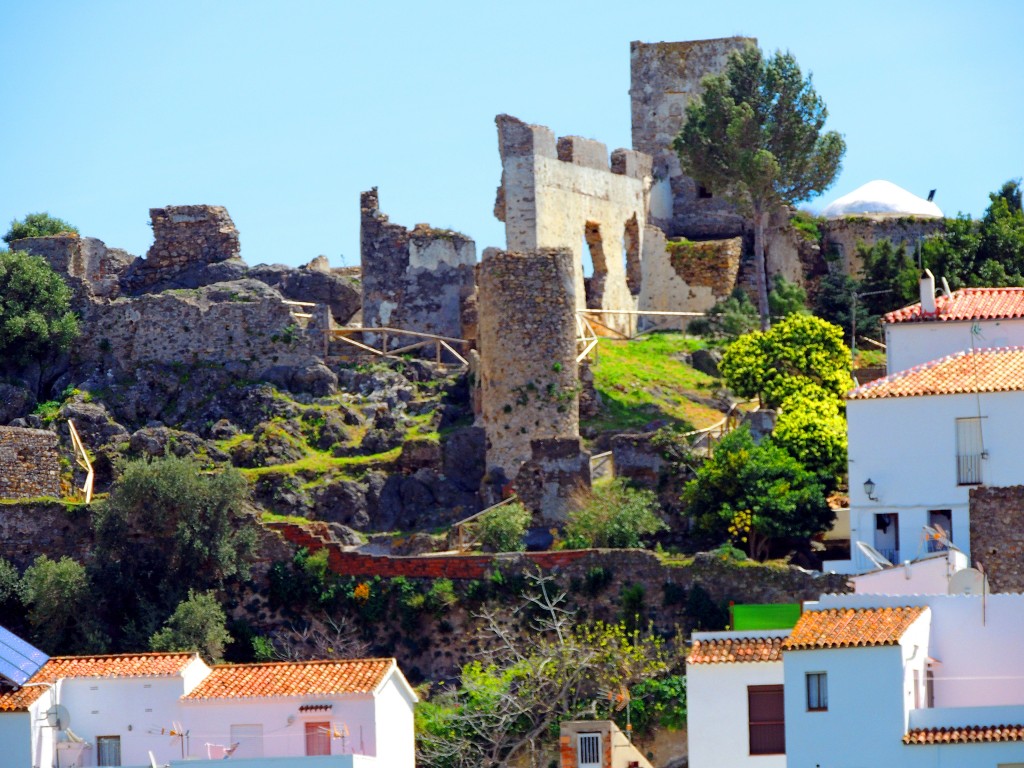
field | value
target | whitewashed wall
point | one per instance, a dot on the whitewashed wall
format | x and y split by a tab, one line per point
910	344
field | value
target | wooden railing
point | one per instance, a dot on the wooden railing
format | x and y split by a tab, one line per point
708	437
385	334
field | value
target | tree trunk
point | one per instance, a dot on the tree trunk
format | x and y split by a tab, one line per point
760	216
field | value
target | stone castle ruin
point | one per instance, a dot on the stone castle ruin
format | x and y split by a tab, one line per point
657	241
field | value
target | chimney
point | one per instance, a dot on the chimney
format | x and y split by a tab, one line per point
927	293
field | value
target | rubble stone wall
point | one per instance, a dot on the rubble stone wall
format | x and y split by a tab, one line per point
565	193
997	535
687	276
842	236
88	266
29	463
419	280
664	77
530	386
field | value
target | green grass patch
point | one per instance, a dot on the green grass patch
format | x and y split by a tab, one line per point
646	380
320	462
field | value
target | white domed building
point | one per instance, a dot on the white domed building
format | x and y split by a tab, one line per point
878	210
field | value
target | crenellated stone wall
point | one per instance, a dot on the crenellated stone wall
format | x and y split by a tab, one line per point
419	280
566	193
528	378
997	535
29	463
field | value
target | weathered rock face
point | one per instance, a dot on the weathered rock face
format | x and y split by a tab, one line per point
555	476
322	286
89	267
15	402
530	388
244	323
418	280
664	77
842	236
566	194
29	463
997	536
186	237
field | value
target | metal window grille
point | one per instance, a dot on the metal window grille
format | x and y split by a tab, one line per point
969	450
108	750
589	750
817	691
767	720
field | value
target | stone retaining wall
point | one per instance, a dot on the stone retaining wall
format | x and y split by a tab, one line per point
997	535
29	463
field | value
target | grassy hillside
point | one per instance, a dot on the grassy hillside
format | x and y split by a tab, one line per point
647	380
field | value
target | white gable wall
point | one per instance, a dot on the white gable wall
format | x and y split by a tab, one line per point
913	343
395	743
907	447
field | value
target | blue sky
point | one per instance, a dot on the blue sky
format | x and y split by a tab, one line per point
285	111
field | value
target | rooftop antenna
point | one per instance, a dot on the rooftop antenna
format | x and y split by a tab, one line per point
877	558
937	533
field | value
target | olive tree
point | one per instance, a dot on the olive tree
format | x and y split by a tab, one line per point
756	137
35	308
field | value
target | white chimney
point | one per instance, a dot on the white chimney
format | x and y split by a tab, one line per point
927	293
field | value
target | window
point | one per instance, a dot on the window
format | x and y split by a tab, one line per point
108	750
969	451
588	749
318	738
940	519
767	720
817	692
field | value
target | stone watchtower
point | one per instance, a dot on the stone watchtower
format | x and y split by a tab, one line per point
528	376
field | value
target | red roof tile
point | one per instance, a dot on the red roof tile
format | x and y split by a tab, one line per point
301	678
966	304
965	735
851	627
736	650
1000	369
121	665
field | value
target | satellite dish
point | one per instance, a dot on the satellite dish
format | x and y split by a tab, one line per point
872	554
969	581
58	717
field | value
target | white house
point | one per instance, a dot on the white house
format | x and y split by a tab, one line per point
920	439
116	710
868	680
971	318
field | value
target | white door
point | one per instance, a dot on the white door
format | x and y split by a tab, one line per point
588	750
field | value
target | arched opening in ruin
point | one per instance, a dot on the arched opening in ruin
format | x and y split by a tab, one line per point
631	255
594	283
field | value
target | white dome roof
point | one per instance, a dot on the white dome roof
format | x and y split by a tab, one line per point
881	197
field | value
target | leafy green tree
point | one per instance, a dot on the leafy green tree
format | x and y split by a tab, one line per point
502	529
59	596
728	319
38	225
812	429
787	298
800	350
35	308
988	252
759	491
834	302
197	624
168	528
756	137
616	516
889	280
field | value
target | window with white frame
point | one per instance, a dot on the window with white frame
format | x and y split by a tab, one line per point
969	451
108	750
588	750
817	692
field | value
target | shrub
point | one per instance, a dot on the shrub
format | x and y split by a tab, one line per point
197	624
502	529
35	310
614	515
38	225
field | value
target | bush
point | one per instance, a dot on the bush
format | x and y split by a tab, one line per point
614	515
38	225
811	429
502	529
35	308
197	624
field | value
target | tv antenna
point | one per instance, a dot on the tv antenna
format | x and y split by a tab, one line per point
877	558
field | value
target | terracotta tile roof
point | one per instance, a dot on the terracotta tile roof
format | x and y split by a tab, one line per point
736	650
999	369
851	627
301	678
121	665
966	304
965	735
